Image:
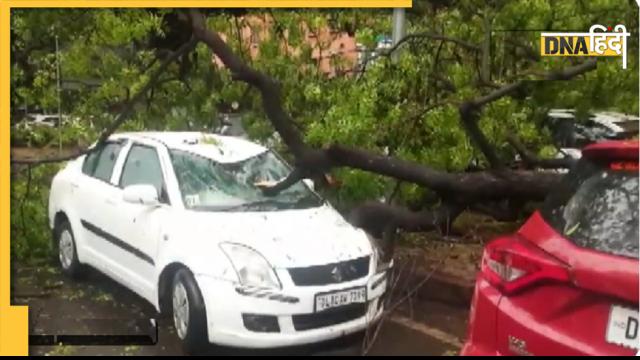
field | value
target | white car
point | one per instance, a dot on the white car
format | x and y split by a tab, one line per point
177	218
43	120
571	135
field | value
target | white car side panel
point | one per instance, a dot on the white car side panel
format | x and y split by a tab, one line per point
133	244
61	199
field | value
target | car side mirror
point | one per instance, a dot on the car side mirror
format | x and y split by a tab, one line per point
309	183
143	194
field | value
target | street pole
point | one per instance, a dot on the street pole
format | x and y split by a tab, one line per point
398	33
398	30
59	99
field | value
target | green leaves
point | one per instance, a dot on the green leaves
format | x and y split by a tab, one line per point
408	108
30	235
366	37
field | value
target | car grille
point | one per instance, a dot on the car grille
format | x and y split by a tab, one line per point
328	317
330	273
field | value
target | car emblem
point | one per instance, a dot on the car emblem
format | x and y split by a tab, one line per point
352	270
336	274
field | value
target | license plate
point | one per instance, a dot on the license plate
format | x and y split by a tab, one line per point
623	327
340	298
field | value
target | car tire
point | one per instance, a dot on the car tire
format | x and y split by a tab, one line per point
189	314
67	252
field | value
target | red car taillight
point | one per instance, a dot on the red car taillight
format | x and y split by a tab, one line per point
512	264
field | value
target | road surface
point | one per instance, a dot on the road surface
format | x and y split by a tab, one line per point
61	306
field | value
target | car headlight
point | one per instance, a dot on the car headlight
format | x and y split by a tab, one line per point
382	257
252	268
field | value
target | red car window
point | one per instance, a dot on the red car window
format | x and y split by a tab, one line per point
596	207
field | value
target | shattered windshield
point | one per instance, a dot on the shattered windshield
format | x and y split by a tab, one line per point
596	207
207	185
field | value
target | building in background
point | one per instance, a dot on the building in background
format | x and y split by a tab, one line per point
335	52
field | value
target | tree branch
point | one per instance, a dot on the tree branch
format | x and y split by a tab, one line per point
410	37
470	110
564	74
125	113
268	87
460	187
532	160
469	116
379	219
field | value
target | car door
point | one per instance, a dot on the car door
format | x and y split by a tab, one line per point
137	228
91	192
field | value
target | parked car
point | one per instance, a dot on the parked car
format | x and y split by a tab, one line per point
566	283
571	135
42	120
177	218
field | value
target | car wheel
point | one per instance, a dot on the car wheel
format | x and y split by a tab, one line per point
189	315
67	253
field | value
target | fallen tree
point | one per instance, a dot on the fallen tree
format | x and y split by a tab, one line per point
456	190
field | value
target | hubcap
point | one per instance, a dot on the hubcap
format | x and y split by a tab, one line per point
65	249
180	310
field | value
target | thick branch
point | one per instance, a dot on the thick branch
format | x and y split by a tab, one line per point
382	221
390	166
469	116
268	87
376	218
461	187
532	160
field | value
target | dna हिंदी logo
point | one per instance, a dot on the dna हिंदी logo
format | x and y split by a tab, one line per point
599	41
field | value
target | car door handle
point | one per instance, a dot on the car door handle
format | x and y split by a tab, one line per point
110	201
74	185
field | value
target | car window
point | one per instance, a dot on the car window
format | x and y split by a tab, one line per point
50	120
596	207
630	127
591	131
99	163
143	167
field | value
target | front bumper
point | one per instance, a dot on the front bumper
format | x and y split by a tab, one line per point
226	302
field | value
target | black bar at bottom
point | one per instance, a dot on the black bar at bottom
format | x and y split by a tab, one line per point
88	340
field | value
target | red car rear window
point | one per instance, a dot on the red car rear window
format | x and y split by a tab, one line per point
596	207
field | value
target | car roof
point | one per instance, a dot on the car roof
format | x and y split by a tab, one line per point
223	149
561	113
616	149
616	121
606	116
614	116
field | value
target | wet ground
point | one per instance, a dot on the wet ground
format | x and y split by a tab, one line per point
97	304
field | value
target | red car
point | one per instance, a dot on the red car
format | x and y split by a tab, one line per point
566	283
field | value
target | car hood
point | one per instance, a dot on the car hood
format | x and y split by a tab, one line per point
289	238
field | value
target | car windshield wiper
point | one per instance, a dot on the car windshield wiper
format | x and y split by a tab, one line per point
258	203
